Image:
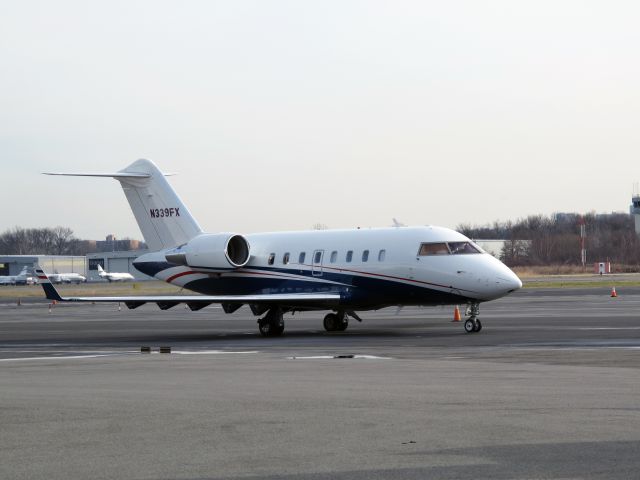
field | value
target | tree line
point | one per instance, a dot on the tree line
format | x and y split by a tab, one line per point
555	239
534	240
45	241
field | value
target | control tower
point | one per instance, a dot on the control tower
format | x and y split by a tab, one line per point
635	210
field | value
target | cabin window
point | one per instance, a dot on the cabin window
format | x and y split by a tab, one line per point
285	258
365	256
381	255
349	256
272	258
317	257
301	257
458	248
433	249
334	256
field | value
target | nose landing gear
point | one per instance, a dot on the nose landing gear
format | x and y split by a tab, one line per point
472	324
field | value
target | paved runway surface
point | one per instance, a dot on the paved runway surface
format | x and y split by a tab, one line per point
549	389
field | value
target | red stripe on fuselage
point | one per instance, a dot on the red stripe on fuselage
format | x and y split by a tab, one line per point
192	272
181	274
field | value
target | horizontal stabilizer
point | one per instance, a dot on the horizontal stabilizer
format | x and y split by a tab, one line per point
165	222
108	175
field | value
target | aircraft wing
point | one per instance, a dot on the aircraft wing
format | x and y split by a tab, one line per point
195	302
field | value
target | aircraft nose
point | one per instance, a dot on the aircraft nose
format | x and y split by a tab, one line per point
506	281
509	282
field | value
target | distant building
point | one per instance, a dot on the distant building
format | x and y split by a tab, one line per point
112	244
114	262
12	264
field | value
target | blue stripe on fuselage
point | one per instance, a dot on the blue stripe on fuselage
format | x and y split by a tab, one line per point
356	290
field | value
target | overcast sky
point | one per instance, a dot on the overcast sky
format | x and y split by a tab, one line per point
281	114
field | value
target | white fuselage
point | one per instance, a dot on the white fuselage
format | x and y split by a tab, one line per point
116	276
67	278
384	267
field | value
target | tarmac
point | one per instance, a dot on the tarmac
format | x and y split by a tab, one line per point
550	388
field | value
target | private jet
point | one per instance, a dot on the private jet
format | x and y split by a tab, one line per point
67	278
114	276
340	271
23	278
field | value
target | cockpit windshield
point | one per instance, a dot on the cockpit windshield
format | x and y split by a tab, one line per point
448	248
433	249
462	247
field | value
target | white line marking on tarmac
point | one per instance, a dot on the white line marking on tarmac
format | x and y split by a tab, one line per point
98	355
70	357
323	357
607	328
210	352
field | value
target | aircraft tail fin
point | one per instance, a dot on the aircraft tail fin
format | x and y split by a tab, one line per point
49	290
100	269
164	221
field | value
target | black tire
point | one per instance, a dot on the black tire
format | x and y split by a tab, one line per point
330	322
269	329
272	324
469	326
478	326
265	329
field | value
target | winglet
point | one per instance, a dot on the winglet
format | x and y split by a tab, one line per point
49	290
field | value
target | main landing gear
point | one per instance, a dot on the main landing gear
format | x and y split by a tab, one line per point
272	324
335	322
472	324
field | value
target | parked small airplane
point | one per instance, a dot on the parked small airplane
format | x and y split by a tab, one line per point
67	278
23	278
114	276
343	271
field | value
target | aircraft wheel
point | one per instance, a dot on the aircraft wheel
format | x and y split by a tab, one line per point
478	326
331	322
265	329
470	325
272	325
268	329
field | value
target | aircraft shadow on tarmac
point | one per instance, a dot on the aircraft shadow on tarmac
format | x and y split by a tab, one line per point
593	460
314	337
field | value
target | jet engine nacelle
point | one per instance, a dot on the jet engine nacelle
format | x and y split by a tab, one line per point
212	250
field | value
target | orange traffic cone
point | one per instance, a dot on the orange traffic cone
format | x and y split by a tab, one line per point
456	314
613	292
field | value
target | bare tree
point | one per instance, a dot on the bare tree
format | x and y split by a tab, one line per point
46	241
555	239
